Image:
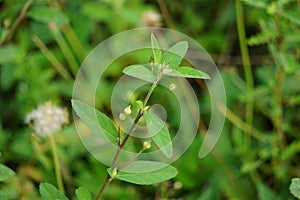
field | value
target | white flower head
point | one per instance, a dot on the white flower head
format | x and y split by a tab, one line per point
47	119
151	18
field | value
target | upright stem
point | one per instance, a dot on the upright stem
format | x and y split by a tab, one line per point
246	64
56	165
122	144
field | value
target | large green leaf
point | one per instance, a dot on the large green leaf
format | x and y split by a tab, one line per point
95	119
83	194
159	132
153	172
5	172
140	72
295	187
156	50
188	72
46	15
49	192
175	54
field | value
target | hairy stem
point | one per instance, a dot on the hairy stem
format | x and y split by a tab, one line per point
56	165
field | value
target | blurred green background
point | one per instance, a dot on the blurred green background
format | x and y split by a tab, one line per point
43	42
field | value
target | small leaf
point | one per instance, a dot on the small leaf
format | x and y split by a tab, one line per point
188	72
159	132
140	72
175	54
140	104
83	194
156	50
95	120
8	53
46	15
49	192
5	172
154	172
295	187
265	193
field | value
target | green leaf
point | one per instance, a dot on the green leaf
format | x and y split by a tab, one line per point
153	172
93	118
188	72
5	172
83	194
8	53
159	132
265	193
49	192
46	15
173	57
156	50
140	72
295	187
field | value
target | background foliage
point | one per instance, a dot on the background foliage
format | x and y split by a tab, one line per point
42	44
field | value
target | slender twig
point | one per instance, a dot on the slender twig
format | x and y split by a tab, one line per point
165	13
106	181
132	159
279	78
122	144
20	18
246	64
56	165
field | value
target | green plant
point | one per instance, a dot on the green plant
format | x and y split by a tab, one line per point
133	170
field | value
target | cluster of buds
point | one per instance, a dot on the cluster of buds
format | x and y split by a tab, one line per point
47	119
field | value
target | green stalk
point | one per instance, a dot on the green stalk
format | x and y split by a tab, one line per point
64	48
56	165
246	64
52	59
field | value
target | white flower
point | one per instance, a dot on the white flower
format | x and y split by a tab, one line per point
150	18
47	119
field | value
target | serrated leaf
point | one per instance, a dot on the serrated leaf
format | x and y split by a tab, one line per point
295	187
156	50
159	132
5	172
83	194
49	192
160	172
187	72
173	57
140	72
47	15
95	120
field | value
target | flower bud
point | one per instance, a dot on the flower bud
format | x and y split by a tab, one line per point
114	173
172	86
127	110
122	117
147	144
